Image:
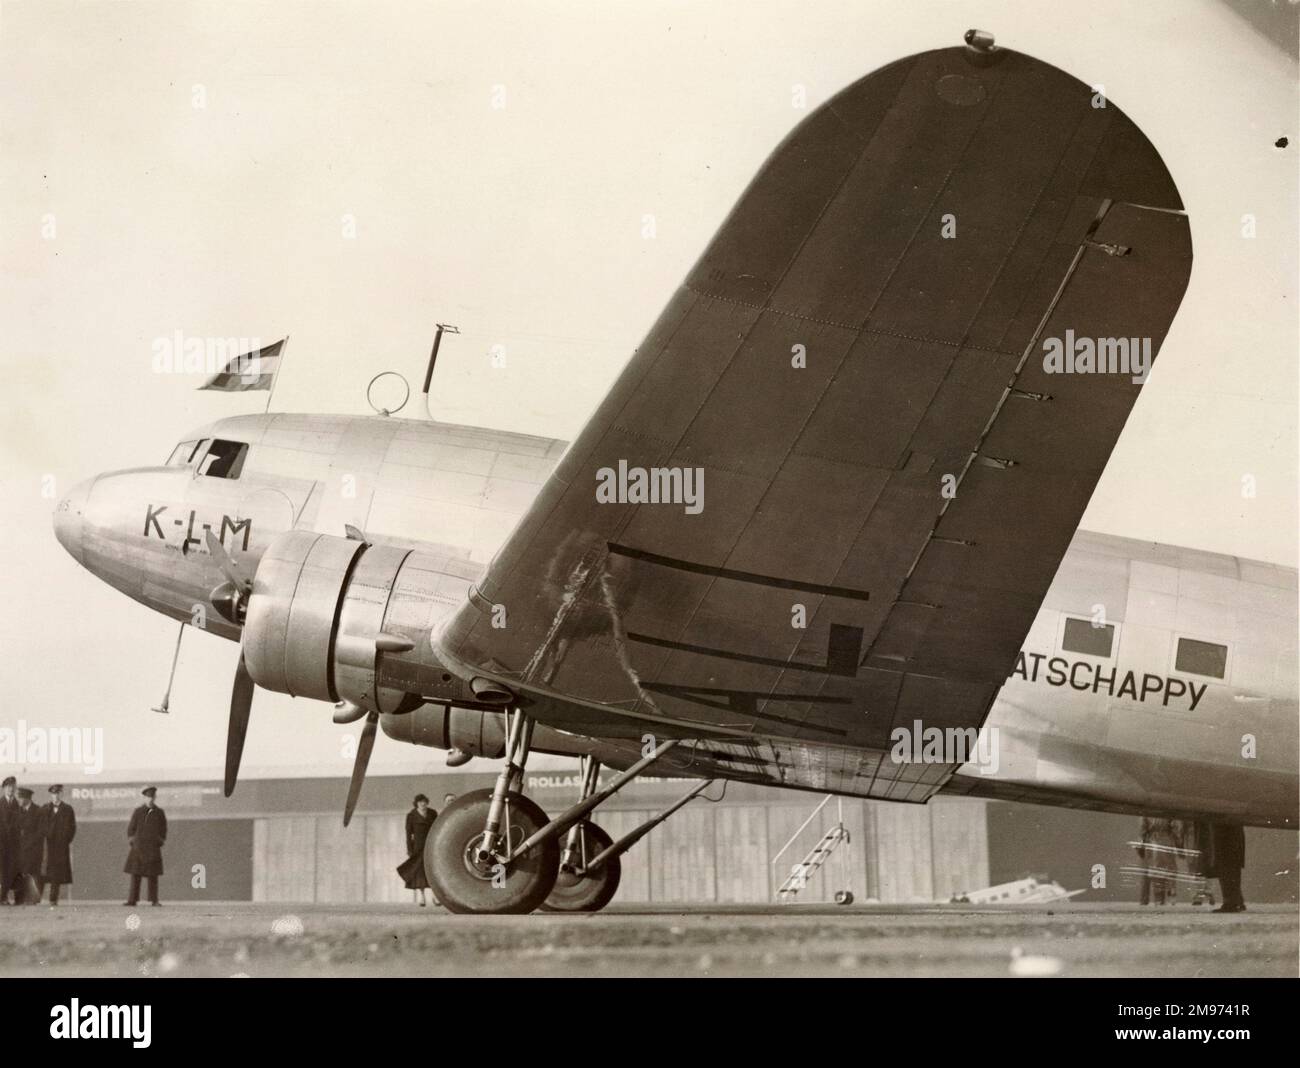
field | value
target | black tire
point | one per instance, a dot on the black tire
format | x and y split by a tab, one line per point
462	886
586	893
844	897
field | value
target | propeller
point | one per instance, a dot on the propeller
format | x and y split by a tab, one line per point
241	704
231	597
350	712
364	745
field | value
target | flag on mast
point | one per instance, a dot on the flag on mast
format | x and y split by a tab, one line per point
250	370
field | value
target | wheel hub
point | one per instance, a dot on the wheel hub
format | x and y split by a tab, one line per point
480	857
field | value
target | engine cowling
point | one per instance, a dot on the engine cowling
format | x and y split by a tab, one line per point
343	620
337	619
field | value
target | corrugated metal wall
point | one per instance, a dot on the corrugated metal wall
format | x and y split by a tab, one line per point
707	852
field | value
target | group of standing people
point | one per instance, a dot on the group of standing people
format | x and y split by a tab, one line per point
35	844
1207	851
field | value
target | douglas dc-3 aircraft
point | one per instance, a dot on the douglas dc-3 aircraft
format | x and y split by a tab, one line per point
883	593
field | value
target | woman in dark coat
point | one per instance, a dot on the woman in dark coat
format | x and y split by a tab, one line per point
60	830
418	822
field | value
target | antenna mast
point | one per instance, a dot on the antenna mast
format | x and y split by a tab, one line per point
433	358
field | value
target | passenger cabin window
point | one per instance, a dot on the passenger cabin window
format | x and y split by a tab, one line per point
224	459
183	453
1201	658
1082	637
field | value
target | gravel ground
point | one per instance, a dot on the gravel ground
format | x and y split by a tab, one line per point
1071	939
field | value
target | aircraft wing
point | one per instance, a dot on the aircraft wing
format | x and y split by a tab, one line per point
863	335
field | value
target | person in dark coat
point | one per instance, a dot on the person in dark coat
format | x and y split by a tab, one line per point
1228	857
8	838
60	830
146	834
31	849
418	822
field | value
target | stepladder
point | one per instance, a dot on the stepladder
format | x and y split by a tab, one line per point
832	838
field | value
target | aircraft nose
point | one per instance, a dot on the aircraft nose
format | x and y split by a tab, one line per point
70	518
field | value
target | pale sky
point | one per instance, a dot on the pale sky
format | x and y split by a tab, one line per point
522	224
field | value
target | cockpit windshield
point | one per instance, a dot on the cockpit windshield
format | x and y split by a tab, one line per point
214	457
224	459
184	453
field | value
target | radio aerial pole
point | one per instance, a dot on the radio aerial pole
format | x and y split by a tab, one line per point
433	358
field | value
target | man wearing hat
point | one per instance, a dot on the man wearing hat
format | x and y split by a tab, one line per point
146	833
60	830
8	838
31	850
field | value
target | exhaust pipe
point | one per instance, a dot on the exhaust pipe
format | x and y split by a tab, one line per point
489	692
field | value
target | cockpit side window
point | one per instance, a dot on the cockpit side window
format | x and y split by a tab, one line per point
183	453
224	459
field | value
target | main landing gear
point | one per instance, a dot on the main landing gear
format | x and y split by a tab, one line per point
495	851
581	885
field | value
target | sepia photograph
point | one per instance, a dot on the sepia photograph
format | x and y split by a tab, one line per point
650	490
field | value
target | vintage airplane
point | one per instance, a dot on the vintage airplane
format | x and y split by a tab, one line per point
1026	891
887	549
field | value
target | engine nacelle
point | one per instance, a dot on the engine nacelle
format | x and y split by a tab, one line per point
338	619
446	727
482	733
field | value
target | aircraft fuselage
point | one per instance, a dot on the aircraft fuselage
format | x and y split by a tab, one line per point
1154	679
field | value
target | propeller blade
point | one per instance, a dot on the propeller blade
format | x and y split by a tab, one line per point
364	746
223	560
241	704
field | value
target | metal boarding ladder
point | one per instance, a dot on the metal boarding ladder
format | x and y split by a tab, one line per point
817	856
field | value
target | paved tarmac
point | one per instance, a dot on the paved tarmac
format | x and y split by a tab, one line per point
1071	939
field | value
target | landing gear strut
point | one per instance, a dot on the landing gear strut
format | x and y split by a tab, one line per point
580	887
494	851
470	855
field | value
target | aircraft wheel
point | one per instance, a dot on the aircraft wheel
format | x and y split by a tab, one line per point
462	883
844	897
586	893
